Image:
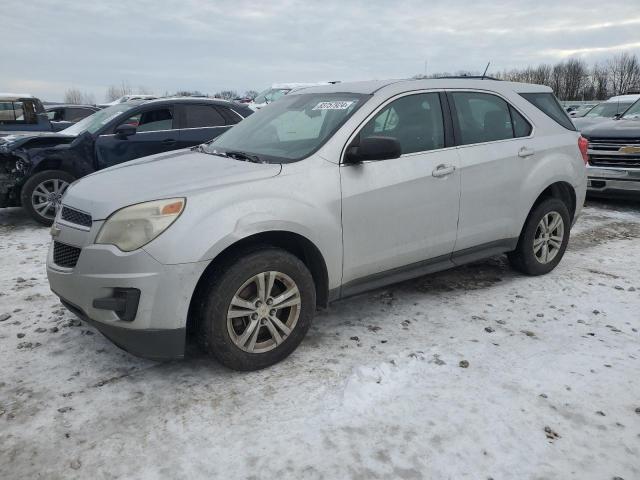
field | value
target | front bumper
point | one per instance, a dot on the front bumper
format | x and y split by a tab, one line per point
156	329
613	181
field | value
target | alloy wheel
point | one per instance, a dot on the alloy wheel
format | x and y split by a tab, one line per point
263	312
47	197
548	238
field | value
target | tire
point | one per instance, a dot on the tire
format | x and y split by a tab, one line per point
238	280
40	197
524	258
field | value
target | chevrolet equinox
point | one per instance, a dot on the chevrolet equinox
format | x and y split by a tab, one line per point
326	193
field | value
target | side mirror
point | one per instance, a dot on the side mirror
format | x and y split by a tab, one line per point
125	130
373	148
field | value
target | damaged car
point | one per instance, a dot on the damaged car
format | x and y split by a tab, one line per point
37	168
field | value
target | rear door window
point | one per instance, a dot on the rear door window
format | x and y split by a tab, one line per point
202	116
481	117
521	127
549	105
414	120
230	117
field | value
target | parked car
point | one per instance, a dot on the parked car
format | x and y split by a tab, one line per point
127	98
21	112
63	115
326	193
279	90
582	110
36	169
605	111
614	155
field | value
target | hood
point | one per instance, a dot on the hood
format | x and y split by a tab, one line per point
584	122
21	140
621	128
176	174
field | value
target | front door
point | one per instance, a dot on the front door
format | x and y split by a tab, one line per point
155	133
401	213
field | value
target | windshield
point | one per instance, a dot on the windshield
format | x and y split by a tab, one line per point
608	109
633	113
96	121
271	95
291	128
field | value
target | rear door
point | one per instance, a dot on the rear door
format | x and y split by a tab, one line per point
199	123
496	150
401	214
155	133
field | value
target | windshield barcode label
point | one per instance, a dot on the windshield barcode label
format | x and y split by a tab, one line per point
332	105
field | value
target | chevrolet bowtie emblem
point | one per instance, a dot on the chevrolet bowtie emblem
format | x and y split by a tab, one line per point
55	230
629	149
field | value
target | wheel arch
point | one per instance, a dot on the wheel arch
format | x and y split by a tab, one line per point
294	243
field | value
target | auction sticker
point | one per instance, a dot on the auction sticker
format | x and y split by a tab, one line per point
332	106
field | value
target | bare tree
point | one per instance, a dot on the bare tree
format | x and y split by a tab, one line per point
624	73
77	97
116	91
251	94
227	94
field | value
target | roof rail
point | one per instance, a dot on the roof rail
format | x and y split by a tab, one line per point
470	77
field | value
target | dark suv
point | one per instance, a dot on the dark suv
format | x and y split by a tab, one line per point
36	169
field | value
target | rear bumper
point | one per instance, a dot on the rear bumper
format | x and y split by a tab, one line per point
613	181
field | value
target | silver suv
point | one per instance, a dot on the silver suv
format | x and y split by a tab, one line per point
324	194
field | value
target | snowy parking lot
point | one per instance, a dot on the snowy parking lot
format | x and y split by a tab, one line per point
474	373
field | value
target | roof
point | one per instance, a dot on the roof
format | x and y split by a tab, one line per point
397	86
15	96
217	101
624	98
72	105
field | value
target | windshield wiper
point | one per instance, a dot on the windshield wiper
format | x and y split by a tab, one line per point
247	157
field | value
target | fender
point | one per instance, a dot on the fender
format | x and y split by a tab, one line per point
310	211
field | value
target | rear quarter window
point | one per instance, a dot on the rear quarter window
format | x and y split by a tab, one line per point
549	105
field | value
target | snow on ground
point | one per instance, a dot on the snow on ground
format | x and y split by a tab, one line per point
377	390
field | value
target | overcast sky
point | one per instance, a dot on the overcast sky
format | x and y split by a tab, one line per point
209	45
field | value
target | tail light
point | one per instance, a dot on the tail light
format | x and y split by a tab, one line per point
583	145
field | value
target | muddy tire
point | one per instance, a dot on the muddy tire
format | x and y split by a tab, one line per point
42	193
256	308
543	240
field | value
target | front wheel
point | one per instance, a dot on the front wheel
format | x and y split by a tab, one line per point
257	309
42	194
544	238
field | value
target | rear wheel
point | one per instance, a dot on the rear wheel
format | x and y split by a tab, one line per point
42	194
544	238
257	309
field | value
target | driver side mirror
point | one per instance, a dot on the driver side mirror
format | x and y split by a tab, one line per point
373	149
125	130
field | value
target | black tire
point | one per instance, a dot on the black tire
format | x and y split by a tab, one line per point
523	258
221	286
27	194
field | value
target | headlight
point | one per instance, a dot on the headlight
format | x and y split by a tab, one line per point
133	227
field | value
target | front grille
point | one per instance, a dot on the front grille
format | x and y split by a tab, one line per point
605	152
75	216
65	255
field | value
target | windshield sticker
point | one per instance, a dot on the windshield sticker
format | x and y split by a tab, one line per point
332	106
108	119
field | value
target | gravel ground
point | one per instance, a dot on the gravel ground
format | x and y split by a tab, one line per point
473	373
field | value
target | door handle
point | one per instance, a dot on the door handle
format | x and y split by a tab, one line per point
169	141
443	170
525	152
